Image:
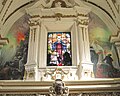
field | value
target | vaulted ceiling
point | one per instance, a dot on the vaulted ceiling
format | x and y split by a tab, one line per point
107	10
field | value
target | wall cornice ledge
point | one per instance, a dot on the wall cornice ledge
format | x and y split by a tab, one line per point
33	87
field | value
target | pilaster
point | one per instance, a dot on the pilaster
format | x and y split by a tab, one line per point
32	60
116	40
86	65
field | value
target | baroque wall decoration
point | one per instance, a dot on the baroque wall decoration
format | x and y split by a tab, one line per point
13	56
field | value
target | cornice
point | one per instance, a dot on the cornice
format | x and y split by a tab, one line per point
97	85
115	38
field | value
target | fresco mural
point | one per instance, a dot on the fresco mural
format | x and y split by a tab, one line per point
14	55
103	53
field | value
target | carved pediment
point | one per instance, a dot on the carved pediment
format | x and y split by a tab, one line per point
50	8
58	3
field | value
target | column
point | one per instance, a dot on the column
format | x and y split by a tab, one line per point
86	66
42	46
32	61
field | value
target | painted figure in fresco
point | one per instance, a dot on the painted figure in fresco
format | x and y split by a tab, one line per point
109	60
99	50
107	70
5	72
94	59
21	67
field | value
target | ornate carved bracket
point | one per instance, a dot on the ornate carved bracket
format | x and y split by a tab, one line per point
58	88
58	73
3	41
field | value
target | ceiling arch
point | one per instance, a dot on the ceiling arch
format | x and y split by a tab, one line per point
106	10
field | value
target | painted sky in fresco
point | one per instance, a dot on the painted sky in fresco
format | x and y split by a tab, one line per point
99	32
99	35
15	35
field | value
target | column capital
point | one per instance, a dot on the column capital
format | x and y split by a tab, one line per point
34	21
83	22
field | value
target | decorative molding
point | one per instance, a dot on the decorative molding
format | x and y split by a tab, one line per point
35	16
30	71
111	8
103	9
34	24
3	41
73	94
3	3
75	87
58	13
83	22
16	11
116	5
78	8
19	94
7	9
58	73
65	16
58	4
114	38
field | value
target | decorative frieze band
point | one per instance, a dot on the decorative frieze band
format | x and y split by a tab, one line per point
72	94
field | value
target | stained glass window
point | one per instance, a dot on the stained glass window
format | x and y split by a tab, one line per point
59	49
